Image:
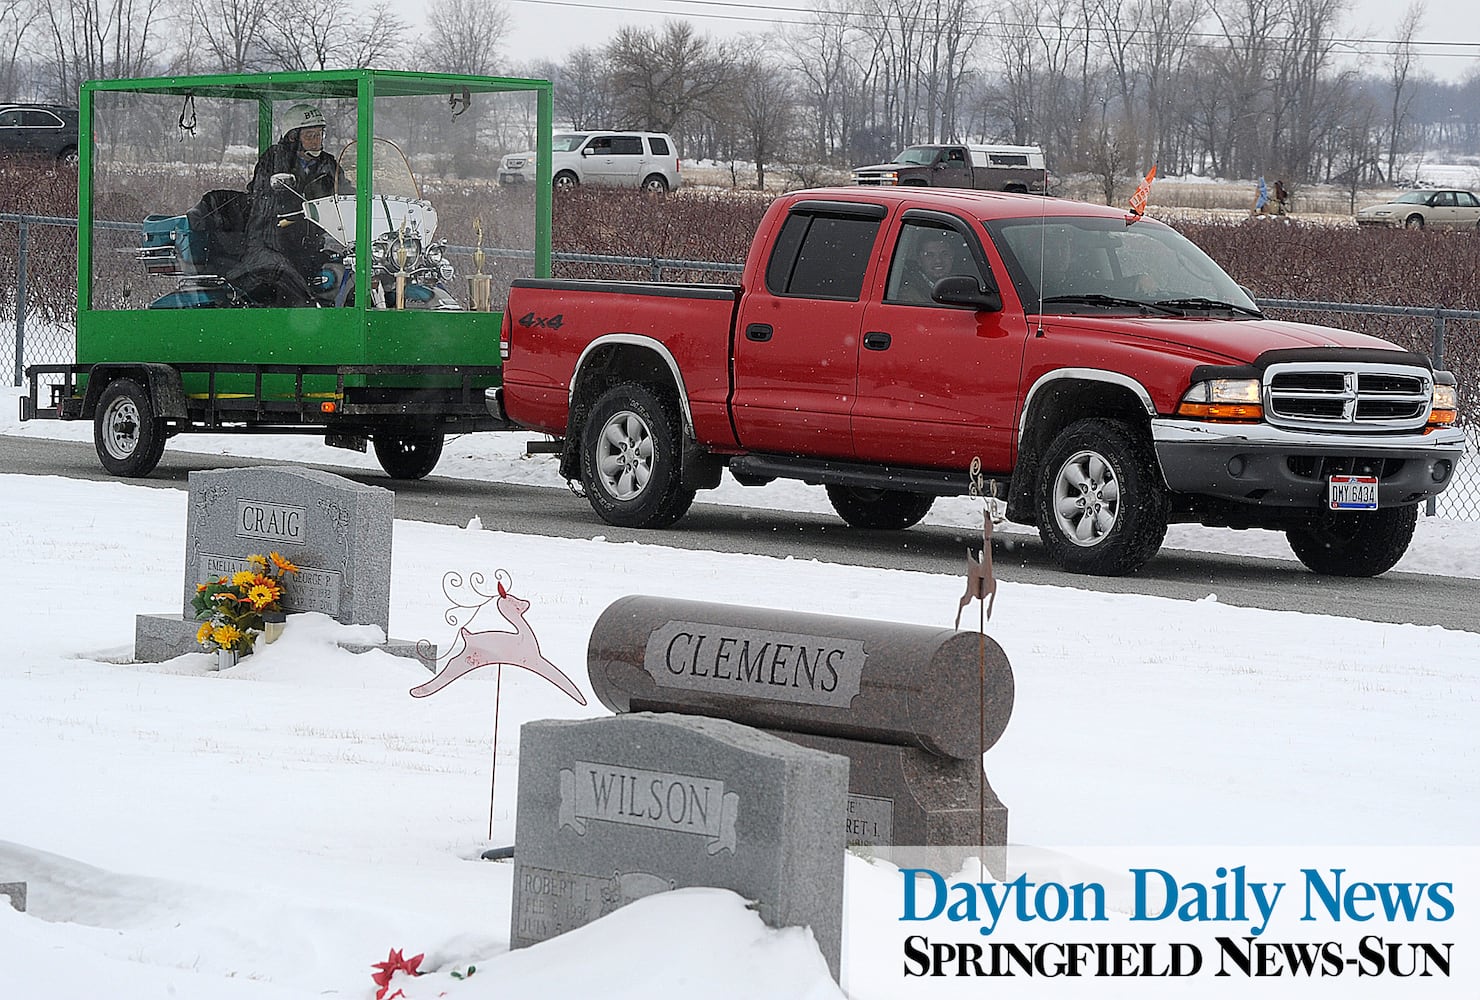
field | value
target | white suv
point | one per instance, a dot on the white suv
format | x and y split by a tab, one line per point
625	159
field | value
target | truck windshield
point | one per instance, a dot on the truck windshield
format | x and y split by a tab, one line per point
919	156
1091	264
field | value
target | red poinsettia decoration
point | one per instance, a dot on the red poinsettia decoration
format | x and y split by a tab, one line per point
392	965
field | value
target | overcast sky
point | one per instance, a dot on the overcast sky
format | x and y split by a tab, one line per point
548	29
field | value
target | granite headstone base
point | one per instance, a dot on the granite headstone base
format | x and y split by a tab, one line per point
163	637
611	810
16	891
907	796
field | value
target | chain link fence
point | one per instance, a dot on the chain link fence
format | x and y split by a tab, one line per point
39	310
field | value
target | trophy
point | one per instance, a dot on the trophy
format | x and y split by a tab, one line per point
480	285
401	274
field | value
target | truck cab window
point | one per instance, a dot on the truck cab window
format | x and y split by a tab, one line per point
922	256
821	256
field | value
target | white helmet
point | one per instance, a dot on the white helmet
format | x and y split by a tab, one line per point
302	116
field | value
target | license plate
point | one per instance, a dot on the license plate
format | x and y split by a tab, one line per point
1352	492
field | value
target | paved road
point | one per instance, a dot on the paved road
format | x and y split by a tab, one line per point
1237	580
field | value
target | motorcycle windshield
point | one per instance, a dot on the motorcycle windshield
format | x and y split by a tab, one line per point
390	170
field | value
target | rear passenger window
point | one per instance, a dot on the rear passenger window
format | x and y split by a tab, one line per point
626	145
659	146
821	256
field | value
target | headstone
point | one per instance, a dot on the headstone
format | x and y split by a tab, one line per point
913	707
336	531
611	810
16	891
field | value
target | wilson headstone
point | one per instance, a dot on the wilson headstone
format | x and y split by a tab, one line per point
611	810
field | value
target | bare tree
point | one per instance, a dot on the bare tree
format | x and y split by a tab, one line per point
1400	66
583	90
299	36
765	102
228	30
16	16
464	36
662	78
91	40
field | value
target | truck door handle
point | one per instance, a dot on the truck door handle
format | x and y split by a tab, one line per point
876	340
759	332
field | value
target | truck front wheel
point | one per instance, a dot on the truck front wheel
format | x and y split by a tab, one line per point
630	459
1361	543
408	456
885	510
128	436
1102	506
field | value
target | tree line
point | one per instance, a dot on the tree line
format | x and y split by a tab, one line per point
1231	88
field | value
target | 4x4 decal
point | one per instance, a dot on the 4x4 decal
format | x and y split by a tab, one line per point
555	322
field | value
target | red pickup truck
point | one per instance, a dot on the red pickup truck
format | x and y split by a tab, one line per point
1110	377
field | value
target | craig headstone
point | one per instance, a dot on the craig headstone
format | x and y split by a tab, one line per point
611	810
336	531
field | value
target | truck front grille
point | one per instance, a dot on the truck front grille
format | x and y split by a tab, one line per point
1355	396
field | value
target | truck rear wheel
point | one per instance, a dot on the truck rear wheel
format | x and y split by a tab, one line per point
1355	543
630	459
128	436
408	456
884	510
1102	506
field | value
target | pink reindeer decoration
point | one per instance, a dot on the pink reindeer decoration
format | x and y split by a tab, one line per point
519	648
496	647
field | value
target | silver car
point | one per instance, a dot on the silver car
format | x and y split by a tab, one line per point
1418	209
647	160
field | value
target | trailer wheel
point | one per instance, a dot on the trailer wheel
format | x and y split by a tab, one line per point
128	436
408	456
630	459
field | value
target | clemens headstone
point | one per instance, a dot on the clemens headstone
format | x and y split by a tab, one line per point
913	707
611	810
336	531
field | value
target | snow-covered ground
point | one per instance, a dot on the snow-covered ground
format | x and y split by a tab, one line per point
272	830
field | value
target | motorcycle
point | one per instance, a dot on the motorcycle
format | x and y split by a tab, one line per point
207	247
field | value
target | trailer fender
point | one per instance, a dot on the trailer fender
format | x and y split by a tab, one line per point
166	390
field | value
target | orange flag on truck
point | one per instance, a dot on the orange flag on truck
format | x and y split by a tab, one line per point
1138	200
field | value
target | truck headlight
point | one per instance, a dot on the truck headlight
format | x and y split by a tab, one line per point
1443	409
1223	399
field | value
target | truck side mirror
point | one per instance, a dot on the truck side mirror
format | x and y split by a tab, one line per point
964	290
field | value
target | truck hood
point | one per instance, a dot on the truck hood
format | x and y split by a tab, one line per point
1215	341
889	166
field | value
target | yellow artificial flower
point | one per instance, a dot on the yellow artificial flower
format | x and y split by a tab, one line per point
226	636
260	596
203	633
283	565
259	561
244	579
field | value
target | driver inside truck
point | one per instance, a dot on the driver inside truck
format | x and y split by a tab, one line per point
285	250
926	254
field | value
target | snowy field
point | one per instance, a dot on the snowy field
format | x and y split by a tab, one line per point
272	830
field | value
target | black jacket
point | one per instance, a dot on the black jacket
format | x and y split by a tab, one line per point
313	177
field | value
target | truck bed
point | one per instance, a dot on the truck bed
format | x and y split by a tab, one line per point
558	322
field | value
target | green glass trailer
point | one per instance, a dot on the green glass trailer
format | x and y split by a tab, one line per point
189	320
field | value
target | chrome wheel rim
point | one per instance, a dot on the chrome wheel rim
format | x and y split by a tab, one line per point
1086	498
624	455
121	428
